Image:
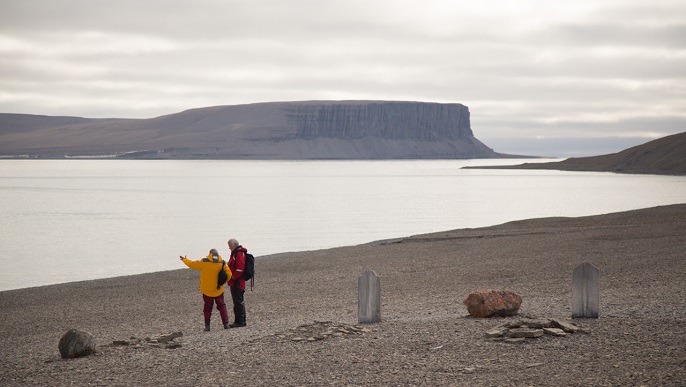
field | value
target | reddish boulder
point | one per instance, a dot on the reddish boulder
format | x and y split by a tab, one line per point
493	303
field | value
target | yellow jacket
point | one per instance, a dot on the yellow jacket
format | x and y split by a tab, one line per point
209	271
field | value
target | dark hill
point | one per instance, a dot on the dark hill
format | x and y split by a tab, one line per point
17	123
278	130
666	155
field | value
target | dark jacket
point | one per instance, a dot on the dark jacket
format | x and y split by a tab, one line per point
237	265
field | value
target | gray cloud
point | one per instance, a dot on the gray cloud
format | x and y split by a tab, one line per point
528	70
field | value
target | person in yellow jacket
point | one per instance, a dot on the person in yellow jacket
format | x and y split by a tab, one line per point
211	292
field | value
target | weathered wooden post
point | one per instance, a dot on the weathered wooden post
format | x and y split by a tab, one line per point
368	298
585	291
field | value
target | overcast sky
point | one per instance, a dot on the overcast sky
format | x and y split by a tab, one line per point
559	78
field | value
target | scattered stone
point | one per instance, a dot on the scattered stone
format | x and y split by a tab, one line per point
534	365
514	340
164	340
493	303
321	330
76	343
554	332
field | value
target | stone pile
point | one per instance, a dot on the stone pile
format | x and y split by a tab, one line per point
518	330
165	340
321	330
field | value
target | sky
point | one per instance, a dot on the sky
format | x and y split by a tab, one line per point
548	78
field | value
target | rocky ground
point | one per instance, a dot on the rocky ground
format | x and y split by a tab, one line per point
302	315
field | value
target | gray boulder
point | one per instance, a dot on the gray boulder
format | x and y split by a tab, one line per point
76	343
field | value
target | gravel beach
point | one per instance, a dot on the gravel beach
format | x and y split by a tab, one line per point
426	336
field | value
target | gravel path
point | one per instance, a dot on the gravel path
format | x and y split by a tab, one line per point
425	338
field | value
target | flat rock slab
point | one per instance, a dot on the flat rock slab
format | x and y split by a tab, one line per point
496	332
554	332
524	332
565	325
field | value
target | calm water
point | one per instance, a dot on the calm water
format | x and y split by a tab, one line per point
93	219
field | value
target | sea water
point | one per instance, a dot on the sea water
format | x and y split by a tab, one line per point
77	220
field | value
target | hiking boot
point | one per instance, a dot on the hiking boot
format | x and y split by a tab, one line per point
207	326
236	325
226	325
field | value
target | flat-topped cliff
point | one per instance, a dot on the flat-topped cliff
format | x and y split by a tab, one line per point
277	130
388	120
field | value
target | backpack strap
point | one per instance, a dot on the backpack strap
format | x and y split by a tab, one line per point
207	260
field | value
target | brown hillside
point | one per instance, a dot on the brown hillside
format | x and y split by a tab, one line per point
665	155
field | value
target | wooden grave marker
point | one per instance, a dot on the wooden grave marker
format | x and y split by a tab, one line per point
368	298
585	291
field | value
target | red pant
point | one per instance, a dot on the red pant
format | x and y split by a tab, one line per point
221	307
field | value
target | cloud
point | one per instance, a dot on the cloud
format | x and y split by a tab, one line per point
587	69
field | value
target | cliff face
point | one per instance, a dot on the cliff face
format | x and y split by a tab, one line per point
384	120
277	130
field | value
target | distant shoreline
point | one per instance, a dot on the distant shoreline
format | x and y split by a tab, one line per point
290	253
556	166
664	156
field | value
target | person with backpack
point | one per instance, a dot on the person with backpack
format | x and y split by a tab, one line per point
237	264
212	284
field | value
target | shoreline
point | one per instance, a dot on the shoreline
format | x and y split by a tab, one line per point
559	166
663	156
425	336
287	253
